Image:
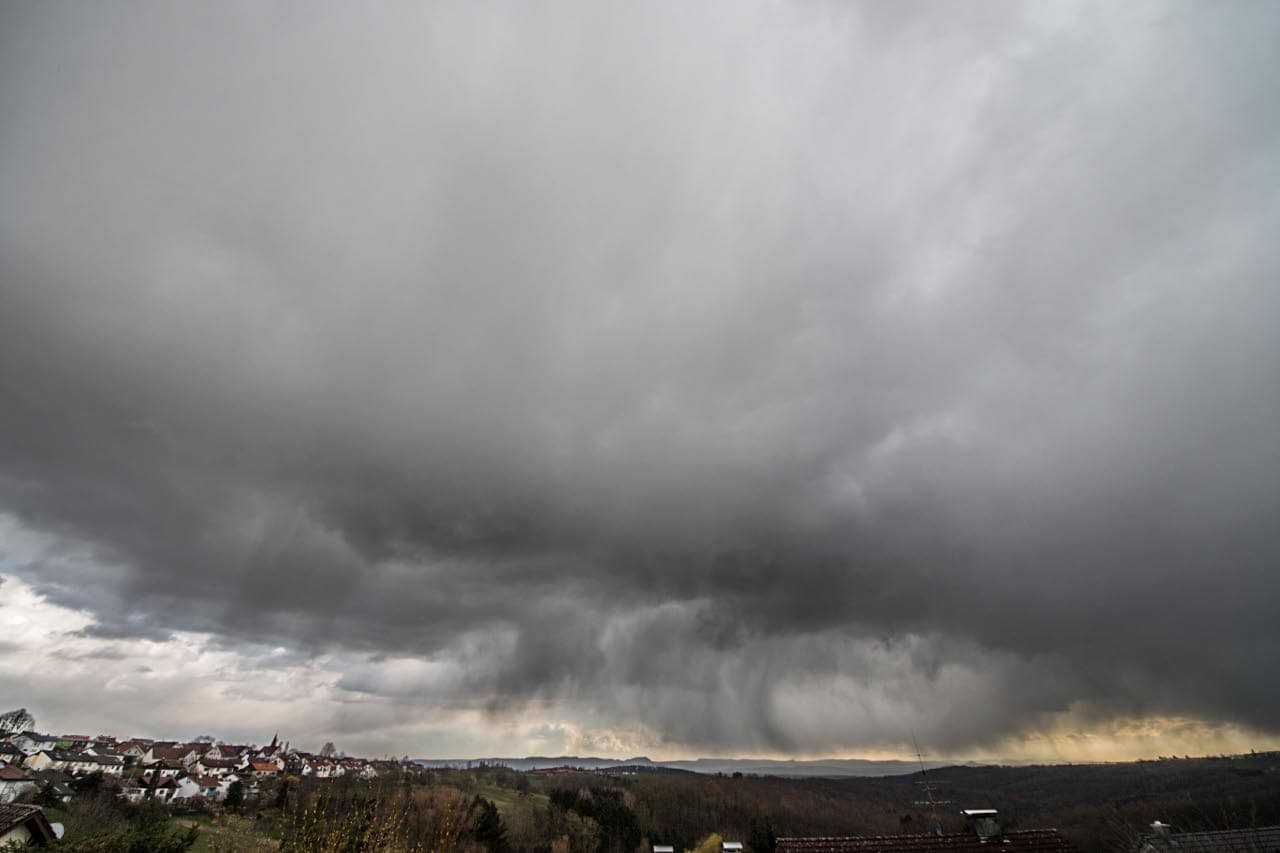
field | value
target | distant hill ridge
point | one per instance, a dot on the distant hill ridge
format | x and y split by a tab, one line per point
823	767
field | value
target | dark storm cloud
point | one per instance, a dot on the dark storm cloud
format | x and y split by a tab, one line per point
706	367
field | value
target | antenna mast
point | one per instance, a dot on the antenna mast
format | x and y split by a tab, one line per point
927	789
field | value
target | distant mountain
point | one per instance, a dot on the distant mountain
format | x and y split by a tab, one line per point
824	768
540	762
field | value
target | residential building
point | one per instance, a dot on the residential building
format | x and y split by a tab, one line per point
21	825
14	782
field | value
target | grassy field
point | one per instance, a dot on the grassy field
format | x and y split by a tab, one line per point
227	833
505	798
56	815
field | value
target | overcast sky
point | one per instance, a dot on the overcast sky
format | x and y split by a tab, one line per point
787	378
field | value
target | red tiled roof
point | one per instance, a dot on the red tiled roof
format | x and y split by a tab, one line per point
11	773
1023	841
264	766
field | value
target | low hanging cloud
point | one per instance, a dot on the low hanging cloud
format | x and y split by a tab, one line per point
794	379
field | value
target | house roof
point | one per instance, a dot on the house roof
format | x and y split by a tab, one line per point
264	766
162	782
1262	839
170	753
1023	841
13	815
10	773
84	757
220	762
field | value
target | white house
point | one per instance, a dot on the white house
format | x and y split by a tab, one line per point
30	742
320	768
75	763
169	769
183	754
260	769
58	783
132	750
135	790
21	825
14	782
82	763
207	766
190	787
224	751
225	783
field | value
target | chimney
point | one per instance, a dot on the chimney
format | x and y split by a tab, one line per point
985	823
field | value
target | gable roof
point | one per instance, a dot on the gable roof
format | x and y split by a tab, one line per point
85	758
160	782
13	816
170	753
13	773
1024	841
220	762
224	748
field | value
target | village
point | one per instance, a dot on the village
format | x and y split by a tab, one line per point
138	768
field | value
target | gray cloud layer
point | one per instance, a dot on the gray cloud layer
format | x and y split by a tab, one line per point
776	378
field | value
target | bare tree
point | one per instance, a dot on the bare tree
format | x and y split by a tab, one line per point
18	720
328	750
